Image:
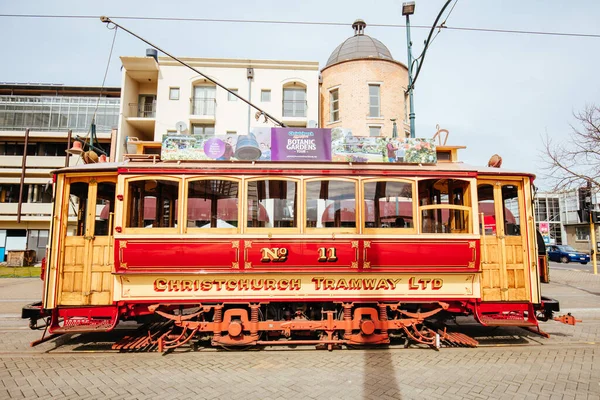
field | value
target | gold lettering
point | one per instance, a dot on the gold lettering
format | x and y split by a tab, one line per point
270	284
341	284
231	284
243	284
186	286
160	285
411	284
318	282
219	283
329	284
393	283
331	257
382	284
268	254
257	284
207	285
174	286
355	284
283	284
369	284
322	256
295	284
437	284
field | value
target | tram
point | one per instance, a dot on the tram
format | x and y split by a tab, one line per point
268	253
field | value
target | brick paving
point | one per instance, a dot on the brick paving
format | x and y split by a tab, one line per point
510	364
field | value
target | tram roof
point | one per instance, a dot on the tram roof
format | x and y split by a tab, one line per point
281	167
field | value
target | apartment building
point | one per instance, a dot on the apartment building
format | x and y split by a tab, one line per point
160	96
49	111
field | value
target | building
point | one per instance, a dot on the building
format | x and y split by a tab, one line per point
49	111
363	88
560	212
161	96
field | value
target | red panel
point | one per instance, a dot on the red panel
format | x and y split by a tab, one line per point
422	255
301	255
177	255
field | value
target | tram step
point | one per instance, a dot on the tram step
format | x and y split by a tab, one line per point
504	320
82	325
456	339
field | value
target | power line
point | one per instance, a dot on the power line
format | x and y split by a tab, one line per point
281	22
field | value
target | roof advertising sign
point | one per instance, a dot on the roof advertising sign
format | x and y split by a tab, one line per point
300	144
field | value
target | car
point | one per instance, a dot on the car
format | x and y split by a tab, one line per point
565	254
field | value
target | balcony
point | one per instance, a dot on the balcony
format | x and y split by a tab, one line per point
143	110
202	109
29	211
143	116
294	112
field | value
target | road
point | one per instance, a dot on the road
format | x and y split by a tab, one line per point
510	363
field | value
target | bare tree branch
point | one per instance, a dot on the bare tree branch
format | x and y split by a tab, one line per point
575	162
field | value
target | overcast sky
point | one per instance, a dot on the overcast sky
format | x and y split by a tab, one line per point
495	92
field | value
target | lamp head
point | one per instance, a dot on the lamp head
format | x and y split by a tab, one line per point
408	8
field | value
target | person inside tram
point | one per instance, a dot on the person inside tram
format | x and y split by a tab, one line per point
400	222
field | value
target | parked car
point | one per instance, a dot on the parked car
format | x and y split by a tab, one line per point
565	254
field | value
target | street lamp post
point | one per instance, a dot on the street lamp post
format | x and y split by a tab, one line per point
408	9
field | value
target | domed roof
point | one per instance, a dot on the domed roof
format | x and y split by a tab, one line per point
359	46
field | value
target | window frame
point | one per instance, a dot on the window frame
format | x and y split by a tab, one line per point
231	97
328	231
265	91
213	231
471	208
375	126
378	105
172	90
298	210
151	231
333	110
387	231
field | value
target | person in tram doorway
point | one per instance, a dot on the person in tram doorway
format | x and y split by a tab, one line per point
399	222
391	151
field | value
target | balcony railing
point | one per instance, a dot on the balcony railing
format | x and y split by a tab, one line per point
143	110
294	108
203	106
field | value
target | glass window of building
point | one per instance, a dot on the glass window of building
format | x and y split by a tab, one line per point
374	131
331	204
582	233
334	106
388	204
204	101
374	101
231	97
203	129
212	203
294	102
265	95
272	203
174	93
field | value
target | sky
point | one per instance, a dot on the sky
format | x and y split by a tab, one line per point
495	92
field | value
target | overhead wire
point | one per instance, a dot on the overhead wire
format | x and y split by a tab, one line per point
112	46
323	23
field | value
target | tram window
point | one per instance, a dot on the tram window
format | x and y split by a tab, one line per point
78	195
485	195
388	204
330	204
272	204
152	204
105	205
212	204
444	206
510	201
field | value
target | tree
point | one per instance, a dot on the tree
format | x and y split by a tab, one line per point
575	163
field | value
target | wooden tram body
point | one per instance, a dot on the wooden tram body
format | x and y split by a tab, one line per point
251	253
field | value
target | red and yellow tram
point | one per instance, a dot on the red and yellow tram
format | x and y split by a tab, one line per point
251	253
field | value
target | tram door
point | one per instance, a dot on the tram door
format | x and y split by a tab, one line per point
86	256
503	254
